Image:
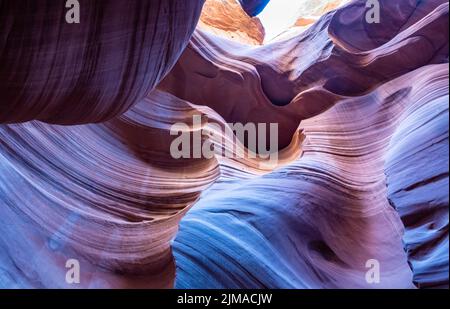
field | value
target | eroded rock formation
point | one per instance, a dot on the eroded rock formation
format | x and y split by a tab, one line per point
93	71
329	212
417	180
363	122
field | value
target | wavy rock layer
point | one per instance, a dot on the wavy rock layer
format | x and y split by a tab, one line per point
417	178
316	222
106	194
304	74
362	112
92	71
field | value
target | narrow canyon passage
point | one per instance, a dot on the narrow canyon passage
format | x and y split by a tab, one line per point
87	170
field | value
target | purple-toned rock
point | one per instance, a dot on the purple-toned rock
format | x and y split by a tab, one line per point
92	71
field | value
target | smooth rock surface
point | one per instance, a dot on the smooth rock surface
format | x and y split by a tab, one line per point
93	71
362	172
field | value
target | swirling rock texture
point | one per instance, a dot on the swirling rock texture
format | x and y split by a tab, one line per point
65	73
417	178
362	173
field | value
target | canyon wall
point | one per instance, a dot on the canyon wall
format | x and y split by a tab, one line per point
362	173
93	71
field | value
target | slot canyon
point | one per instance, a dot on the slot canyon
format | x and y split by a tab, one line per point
86	171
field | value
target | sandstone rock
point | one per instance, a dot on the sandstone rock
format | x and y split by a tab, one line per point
363	171
93	71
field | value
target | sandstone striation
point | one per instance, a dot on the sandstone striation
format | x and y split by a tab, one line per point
86	170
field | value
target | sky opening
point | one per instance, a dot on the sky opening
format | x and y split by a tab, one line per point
280	15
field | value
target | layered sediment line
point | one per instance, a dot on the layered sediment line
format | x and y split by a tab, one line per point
64	73
362	111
